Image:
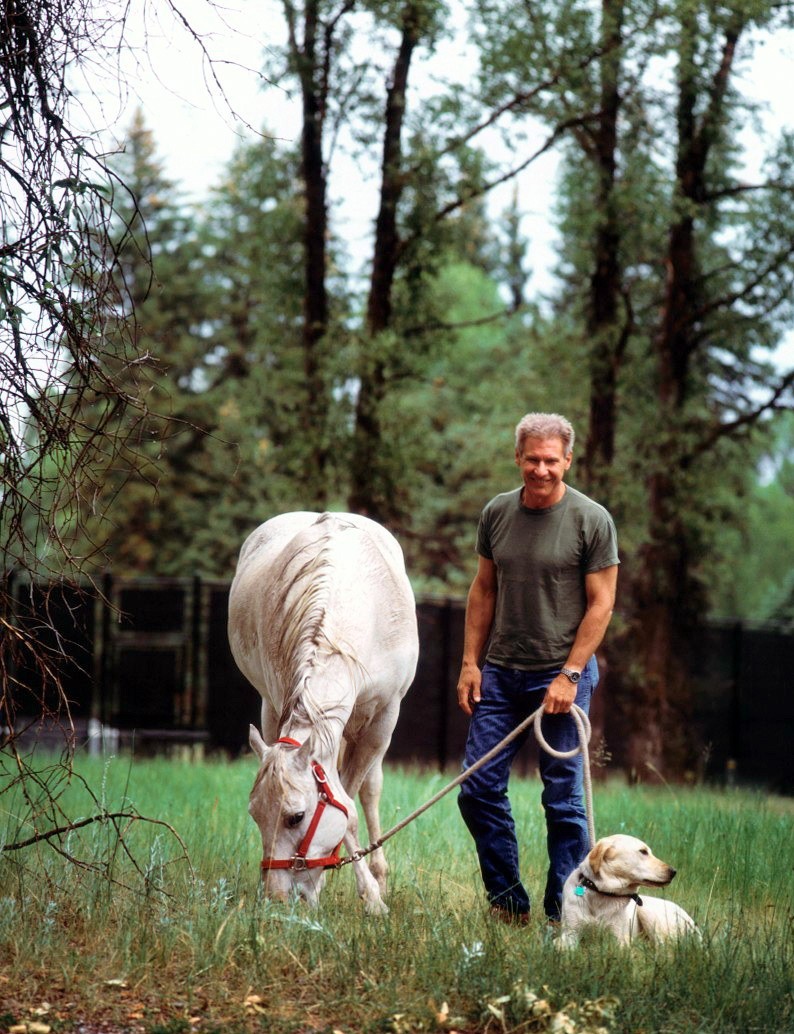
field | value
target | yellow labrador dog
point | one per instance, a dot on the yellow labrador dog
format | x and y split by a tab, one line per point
603	891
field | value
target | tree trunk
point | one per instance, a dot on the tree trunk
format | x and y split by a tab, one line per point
309	60
372	477
608	341
669	603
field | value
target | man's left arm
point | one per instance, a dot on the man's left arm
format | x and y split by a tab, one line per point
600	589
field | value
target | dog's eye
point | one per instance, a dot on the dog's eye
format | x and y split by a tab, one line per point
296	819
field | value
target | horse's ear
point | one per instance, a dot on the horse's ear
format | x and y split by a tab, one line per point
256	743
306	752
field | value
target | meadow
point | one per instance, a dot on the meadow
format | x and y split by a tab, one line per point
160	929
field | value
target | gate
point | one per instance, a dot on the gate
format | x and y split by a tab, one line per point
148	661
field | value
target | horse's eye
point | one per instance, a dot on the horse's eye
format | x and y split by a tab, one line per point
296	819
644	850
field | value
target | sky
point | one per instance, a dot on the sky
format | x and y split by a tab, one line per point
197	118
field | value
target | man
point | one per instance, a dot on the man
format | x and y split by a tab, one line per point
541	600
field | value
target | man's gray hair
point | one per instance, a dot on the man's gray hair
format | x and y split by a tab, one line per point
545	425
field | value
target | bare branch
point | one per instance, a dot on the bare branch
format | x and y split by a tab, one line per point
434	326
729	428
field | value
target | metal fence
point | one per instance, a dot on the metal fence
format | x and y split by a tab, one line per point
149	660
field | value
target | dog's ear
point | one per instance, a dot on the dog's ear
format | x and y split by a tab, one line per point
600	854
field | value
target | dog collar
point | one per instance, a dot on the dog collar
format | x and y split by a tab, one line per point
585	881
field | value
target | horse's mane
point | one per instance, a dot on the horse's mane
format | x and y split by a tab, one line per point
304	640
275	769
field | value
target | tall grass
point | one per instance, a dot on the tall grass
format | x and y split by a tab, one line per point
167	946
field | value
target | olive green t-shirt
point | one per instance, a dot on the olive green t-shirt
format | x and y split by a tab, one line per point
541	558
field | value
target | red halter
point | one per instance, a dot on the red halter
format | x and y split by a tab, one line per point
299	861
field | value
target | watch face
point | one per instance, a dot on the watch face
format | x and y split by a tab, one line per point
574	676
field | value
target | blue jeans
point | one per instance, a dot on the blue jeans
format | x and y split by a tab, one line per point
508	697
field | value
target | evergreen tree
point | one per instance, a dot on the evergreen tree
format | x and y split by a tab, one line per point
154	291
258	383
211	307
457	424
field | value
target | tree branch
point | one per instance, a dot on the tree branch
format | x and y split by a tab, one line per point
729	428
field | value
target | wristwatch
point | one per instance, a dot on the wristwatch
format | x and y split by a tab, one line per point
570	674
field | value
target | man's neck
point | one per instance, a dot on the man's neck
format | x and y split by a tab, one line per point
540	502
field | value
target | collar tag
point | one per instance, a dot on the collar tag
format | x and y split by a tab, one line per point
579	891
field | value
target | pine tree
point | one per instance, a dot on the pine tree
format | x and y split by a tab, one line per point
157	290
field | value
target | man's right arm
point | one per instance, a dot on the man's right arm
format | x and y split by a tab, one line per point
480	607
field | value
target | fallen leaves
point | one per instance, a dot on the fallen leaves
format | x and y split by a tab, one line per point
35	1026
443	1019
537	1014
254	1004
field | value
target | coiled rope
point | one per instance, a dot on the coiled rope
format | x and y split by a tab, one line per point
584	729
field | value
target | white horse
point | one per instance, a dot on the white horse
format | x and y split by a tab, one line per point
322	620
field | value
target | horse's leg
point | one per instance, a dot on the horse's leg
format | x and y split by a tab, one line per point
366	884
363	776
369	795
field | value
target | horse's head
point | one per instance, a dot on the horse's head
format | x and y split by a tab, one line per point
301	819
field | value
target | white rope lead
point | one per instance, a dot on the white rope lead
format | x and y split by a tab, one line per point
585	732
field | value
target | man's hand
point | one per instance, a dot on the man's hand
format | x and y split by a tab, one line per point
560	694
469	687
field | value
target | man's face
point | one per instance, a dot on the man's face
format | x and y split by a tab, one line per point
542	463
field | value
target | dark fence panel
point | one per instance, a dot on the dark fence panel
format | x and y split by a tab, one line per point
149	680
156	664
431	728
743	710
233	703
61	617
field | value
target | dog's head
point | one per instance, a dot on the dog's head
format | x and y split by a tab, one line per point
620	864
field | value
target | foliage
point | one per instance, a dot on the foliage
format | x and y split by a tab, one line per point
461	420
221	327
289	370
211	949
218	320
756	552
154	295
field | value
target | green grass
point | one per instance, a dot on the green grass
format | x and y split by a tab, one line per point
171	946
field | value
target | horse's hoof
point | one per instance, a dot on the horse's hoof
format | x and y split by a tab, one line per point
376	907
